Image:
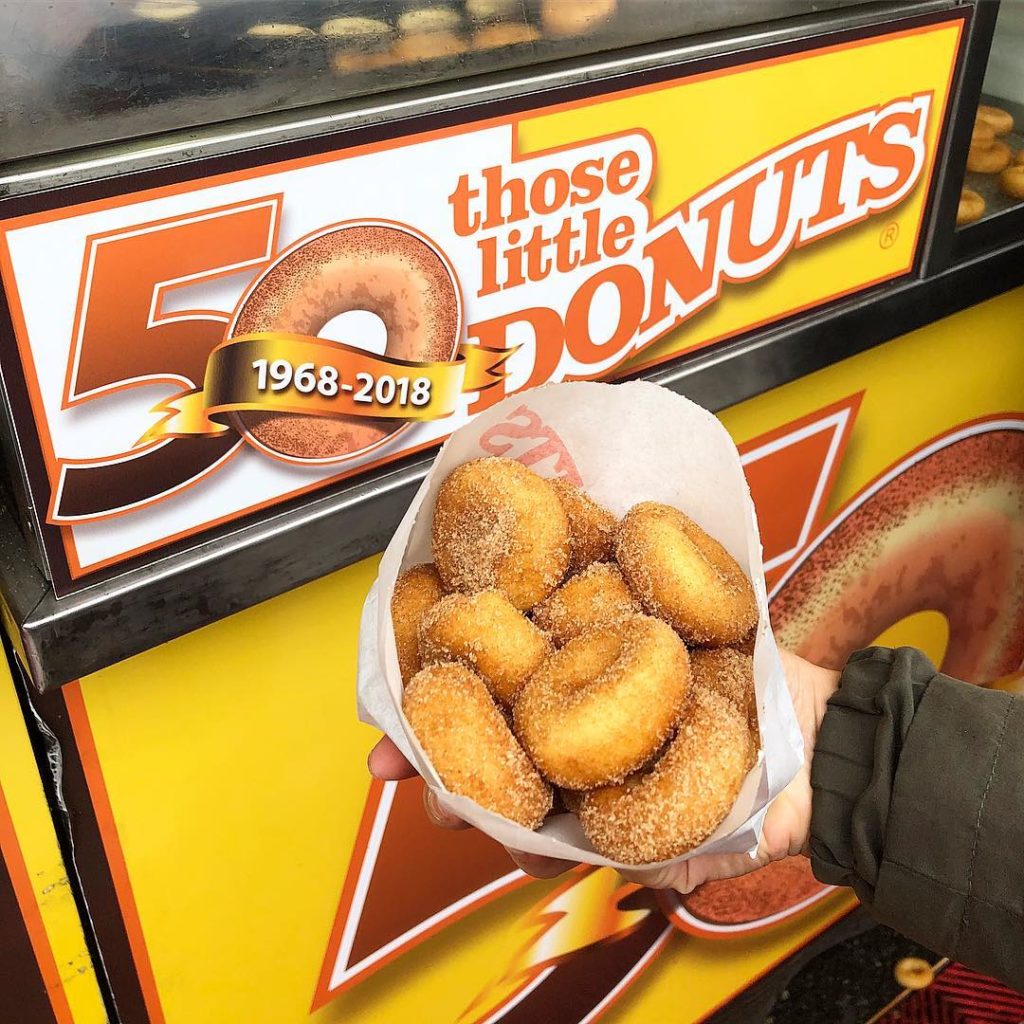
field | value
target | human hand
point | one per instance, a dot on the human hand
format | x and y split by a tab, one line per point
787	825
386	761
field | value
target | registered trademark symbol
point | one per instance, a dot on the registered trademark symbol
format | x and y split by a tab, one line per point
891	231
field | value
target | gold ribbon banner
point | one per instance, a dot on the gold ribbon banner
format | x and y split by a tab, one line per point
234	375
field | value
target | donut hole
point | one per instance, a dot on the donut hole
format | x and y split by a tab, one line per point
591	662
359	328
599	707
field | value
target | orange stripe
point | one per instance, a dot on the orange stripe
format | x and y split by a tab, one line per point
22	884
112	847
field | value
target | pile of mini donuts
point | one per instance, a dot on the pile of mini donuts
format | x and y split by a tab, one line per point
989	154
556	659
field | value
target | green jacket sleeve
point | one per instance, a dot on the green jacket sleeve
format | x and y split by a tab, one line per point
918	786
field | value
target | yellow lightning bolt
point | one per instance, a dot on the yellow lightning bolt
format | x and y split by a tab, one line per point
578	914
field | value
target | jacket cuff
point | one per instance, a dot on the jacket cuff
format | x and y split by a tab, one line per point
855	760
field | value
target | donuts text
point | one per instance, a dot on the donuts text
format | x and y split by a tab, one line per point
654	274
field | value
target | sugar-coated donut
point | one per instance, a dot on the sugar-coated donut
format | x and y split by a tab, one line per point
165	10
591	526
355	29
470	745
278	30
379	268
982	132
486	10
727	672
988	157
416	590
1011	181
487	633
676	805
999	120
684	576
602	705
497	524
598	596
970	207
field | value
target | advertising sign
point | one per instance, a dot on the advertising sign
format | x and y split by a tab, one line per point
199	351
239	863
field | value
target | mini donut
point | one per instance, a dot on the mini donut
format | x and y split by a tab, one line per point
165	10
471	747
486	10
487	633
999	120
379	268
1018	158
347	61
684	576
677	804
1011	181
575	17
913	973
428	18
498	524
420	46
729	673
591	526
598	596
278	30
356	30
416	590
970	207
599	707
988	158
982	132
502	33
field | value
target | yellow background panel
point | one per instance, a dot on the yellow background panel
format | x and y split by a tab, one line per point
235	765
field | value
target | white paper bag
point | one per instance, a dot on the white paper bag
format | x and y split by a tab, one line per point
623	443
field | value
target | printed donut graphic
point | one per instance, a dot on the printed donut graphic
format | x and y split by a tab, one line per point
738	907
378	267
943	531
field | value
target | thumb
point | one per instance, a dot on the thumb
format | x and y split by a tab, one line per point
685	877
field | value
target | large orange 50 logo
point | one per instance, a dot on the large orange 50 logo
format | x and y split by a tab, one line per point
123	338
